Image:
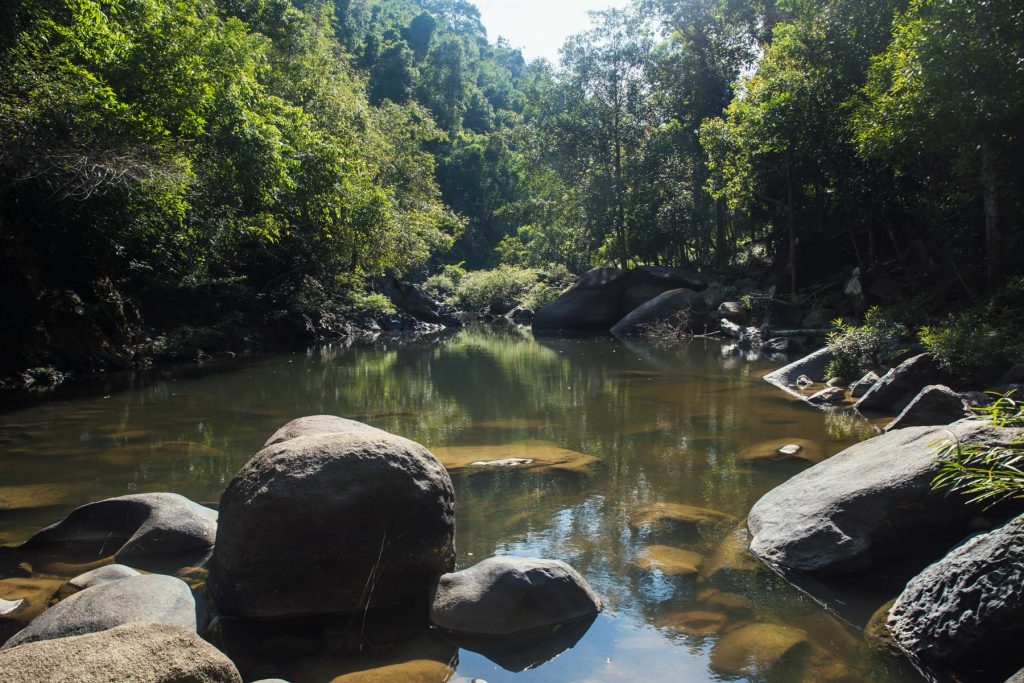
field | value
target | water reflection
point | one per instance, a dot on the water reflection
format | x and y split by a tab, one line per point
665	430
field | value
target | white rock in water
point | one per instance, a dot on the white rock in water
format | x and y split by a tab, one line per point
8	606
790	449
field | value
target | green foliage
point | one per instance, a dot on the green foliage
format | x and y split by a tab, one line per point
441	285
986	474
876	343
976	342
368	303
499	290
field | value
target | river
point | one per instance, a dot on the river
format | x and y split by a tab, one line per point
613	428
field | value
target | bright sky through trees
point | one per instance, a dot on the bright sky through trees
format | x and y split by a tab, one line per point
539	26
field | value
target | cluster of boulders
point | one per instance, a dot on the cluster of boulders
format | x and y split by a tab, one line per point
621	301
872	510
332	517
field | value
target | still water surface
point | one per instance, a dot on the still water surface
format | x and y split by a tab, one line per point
661	423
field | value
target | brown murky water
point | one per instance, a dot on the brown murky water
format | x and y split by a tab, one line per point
643	462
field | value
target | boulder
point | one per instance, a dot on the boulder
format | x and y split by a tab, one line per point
100	575
837	382
152	598
734	311
965	611
685	303
861	386
745	337
899	386
416	303
935	405
819	319
830	396
869	504
646	282
331	523
520	315
144	530
132	653
593	303
315	425
506	596
813	366
1017	677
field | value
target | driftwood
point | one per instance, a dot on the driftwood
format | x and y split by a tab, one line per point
800	333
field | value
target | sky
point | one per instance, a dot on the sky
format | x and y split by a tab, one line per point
539	27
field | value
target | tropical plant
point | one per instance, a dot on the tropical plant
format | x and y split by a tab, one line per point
876	343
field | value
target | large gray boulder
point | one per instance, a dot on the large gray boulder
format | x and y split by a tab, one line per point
133	653
966	611
686	303
330	523
872	503
506	596
646	282
861	386
152	598
812	366
143	530
593	303
898	387
935	405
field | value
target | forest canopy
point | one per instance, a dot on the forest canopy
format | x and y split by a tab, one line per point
163	160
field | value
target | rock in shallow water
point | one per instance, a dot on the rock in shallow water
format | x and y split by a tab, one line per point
813	366
966	611
871	503
134	653
935	405
669	560
144	530
333	522
506	596
140	599
756	649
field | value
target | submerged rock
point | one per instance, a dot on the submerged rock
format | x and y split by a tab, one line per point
22	600
812	366
871	503
133	653
505	596
669	560
732	556
677	514
898	387
756	649
935	405
685	303
965	611
782	450
335	522
152	598
529	454
144	530
692	622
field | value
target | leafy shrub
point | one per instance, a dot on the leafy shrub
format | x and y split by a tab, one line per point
878	342
442	284
987	474
368	303
497	291
974	342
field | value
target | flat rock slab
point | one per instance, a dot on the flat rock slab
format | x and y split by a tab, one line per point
507	596
152	598
141	530
869	504
133	653
966	611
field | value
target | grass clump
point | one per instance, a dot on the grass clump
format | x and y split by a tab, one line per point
987	475
494	291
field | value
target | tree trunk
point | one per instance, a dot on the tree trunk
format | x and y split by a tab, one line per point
994	257
721	242
791	221
620	200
